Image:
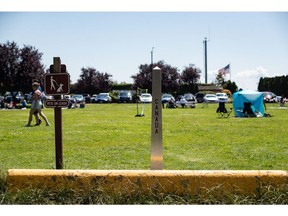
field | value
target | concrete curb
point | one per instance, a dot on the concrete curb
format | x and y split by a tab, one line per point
160	181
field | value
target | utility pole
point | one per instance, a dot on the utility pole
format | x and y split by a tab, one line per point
152	55
205	58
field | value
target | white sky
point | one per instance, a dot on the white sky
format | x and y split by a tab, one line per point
119	39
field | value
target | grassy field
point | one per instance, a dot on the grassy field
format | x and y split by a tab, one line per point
109	136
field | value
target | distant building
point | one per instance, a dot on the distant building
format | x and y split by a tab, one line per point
209	88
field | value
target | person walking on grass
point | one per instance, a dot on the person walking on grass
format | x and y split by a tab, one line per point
36	106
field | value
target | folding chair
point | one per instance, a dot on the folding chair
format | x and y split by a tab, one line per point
247	111
222	110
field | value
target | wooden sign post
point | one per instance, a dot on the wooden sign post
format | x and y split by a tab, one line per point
58	120
57	83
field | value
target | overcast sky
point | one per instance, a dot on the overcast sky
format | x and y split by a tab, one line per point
253	43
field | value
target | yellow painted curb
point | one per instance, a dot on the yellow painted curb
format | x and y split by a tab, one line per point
160	181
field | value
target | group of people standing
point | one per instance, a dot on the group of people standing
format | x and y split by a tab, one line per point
36	106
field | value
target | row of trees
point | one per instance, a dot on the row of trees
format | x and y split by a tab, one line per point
19	67
277	85
172	80
92	81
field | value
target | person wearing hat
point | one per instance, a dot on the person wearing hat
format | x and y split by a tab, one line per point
36	106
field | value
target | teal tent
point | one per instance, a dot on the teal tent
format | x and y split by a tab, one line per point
248	96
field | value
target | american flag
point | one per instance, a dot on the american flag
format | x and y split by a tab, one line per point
224	70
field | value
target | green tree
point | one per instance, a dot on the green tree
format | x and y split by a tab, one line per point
189	79
93	82
277	85
220	80
170	77
30	68
9	64
231	86
19	67
143	79
261	84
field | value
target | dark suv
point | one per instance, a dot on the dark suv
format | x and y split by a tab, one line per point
125	96
199	97
87	98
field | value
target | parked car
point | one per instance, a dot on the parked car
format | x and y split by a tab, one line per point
87	98
167	97
199	97
269	97
18	96
68	97
222	97
103	98
189	97
278	98
183	102
78	98
45	97
146	98
93	98
210	98
125	96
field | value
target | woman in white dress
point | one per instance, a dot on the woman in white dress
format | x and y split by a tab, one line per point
36	106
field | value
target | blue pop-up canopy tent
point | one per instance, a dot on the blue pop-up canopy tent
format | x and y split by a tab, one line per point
254	97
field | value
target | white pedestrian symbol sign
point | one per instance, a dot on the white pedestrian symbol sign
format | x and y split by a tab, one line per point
60	86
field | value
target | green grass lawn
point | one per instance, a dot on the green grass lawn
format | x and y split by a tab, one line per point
109	136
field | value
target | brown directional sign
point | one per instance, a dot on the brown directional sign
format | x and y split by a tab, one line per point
58	103
57	83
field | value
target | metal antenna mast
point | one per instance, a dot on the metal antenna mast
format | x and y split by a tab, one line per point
205	58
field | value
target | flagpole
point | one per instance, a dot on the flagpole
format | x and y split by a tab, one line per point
230	71
205	59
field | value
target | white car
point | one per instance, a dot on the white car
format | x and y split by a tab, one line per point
210	98
222	97
94	98
146	98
